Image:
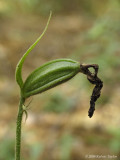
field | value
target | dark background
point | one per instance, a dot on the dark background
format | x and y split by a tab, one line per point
58	126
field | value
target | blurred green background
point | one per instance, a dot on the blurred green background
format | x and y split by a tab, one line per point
58	126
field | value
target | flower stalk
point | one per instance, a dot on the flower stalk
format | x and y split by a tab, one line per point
18	129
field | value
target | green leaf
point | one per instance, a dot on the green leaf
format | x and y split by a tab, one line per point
18	73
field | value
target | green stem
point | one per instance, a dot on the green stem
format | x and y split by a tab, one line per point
18	129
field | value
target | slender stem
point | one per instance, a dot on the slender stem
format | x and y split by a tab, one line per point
18	129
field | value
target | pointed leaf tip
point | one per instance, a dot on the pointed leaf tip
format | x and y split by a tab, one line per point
18	73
